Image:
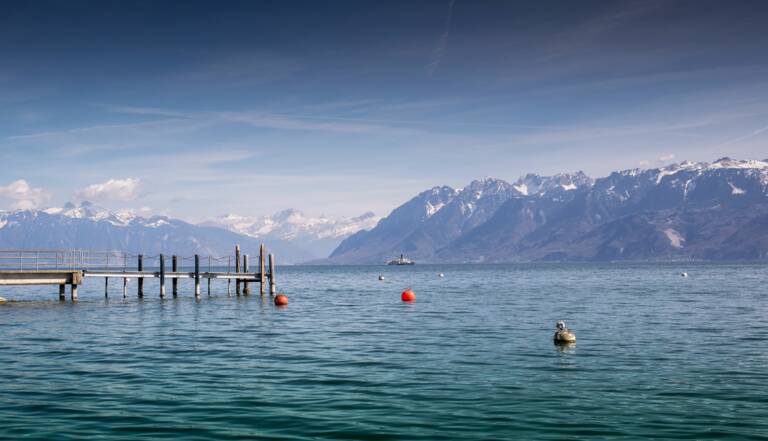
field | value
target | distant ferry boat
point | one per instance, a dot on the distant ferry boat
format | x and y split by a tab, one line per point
402	260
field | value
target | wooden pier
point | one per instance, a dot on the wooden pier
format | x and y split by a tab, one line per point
72	267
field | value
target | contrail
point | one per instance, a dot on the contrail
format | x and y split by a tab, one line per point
442	43
742	138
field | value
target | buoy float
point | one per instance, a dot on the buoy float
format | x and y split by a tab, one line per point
563	335
281	300
683	274
408	296
441	275
381	277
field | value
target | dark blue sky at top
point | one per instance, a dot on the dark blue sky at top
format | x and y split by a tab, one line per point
347	106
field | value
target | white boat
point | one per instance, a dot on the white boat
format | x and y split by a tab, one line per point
402	260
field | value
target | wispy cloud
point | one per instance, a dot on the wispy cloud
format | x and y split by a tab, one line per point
442	43
277	121
100	127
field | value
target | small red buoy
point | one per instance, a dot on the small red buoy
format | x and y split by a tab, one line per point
408	296
281	300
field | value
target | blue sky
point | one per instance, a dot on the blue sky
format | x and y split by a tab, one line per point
199	109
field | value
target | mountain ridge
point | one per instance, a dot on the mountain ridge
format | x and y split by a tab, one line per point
687	210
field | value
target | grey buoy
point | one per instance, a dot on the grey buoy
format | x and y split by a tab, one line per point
683	274
381	277
440	275
563	334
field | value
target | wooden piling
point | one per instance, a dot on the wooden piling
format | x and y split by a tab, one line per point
175	281
125	287
106	287
209	276
237	268
162	276
262	278
140	282
62	292
246	286
197	276
73	294
272	285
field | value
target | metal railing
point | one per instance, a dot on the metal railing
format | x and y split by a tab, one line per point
38	260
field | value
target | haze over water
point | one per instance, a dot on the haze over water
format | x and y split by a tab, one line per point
658	356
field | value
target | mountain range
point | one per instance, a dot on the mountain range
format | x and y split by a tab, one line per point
684	211
317	237
700	211
290	235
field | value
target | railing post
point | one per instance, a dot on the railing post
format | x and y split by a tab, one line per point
175	281
272	285
162	276
262	279
237	269
140	281
229	281
197	275
125	279
246	286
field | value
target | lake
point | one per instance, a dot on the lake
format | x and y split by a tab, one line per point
658	356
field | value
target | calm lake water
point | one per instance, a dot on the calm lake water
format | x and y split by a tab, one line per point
658	356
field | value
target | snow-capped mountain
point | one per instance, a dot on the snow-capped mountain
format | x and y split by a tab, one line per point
88	226
437	217
317	235
533	184
689	210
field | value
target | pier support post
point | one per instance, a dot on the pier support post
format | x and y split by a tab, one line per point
140	281
209	276
197	276
162	276
73	294
125	287
62	292
272	286
262	275
175	281
246	286
237	269
106	287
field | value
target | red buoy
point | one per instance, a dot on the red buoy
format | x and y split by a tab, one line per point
408	296
281	300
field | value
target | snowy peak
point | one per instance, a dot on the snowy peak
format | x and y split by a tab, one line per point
293	224
90	211
435	199
738	164
536	185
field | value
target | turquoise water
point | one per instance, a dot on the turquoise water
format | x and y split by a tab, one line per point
658	357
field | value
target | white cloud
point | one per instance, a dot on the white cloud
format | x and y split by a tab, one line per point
665	158
113	189
24	196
